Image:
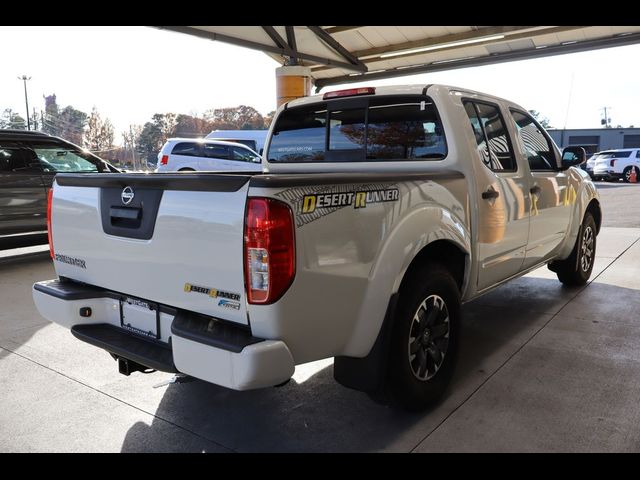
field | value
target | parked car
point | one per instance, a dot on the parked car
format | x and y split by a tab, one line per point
254	139
379	211
617	164
589	164
189	155
28	162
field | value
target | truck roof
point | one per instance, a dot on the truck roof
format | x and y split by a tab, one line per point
409	89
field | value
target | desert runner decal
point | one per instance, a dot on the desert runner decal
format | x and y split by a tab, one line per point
76	262
311	204
212	292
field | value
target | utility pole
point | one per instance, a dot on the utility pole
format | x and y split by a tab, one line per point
606	121
132	145
24	78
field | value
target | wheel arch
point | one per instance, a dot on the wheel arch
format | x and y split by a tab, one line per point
596	211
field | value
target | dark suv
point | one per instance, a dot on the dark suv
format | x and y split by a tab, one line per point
28	163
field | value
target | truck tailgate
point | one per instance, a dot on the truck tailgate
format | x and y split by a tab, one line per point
176	239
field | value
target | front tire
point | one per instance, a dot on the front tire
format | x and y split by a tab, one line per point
576	271
424	339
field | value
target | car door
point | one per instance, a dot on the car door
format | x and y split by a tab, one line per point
23	199
216	157
550	192
502	185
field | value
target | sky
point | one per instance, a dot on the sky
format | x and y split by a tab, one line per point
130	73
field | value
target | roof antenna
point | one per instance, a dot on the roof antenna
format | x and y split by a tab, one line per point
566	117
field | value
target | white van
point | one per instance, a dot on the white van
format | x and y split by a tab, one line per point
254	139
199	154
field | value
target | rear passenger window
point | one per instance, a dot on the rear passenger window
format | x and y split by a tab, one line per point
391	128
405	129
189	149
215	151
499	156
537	148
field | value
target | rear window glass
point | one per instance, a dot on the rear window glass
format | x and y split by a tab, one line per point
390	128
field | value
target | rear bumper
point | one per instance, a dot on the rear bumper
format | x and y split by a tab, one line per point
196	345
606	174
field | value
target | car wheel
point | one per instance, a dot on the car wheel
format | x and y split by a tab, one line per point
424	339
186	170
576	270
626	174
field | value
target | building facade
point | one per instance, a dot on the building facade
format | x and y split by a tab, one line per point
596	139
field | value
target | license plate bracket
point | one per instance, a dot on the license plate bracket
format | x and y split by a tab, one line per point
140	316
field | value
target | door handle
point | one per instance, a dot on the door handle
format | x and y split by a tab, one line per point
535	190
491	193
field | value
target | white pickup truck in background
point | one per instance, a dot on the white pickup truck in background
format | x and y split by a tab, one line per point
378	212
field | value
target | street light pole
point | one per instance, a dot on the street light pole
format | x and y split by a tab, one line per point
24	78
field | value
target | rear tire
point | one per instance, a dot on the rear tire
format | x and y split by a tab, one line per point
424	339
576	271
186	170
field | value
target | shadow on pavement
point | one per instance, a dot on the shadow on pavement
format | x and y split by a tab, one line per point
321	415
18	312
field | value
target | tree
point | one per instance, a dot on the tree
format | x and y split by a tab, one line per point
242	117
543	121
71	124
68	123
155	133
190	126
11	119
149	141
99	133
130	139
269	118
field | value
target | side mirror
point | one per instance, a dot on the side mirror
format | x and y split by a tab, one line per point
572	156
257	160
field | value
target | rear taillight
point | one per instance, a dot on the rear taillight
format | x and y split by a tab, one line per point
49	235
612	163
164	160
269	250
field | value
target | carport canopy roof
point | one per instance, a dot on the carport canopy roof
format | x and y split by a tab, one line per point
343	54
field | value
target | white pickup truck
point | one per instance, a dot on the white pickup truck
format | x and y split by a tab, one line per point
377	213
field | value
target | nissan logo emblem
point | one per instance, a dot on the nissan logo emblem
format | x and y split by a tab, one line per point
127	195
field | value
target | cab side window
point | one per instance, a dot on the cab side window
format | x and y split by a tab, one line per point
12	159
537	147
491	136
